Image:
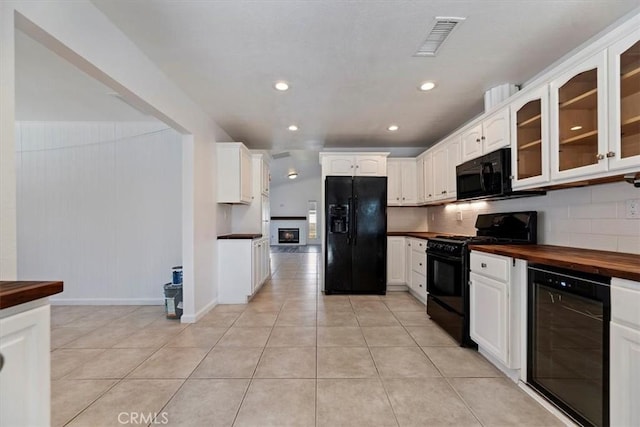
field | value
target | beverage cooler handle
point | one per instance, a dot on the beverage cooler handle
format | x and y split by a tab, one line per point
355	221
348	219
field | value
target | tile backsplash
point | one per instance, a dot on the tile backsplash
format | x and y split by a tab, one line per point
592	217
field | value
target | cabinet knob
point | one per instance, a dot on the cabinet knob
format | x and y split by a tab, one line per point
477	139
600	157
420	264
483	265
351	166
444	192
397	198
429	195
403	198
611	154
483	138
420	285
357	166
408	244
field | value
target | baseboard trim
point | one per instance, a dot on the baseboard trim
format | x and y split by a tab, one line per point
200	314
106	301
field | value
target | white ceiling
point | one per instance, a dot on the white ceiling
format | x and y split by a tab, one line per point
350	64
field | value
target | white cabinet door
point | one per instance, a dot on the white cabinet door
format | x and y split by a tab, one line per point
235	173
407	260
246	176
25	377
624	371
624	103
394	182
396	260
371	165
256	266
265	178
440	173
409	183
495	131
427	164
530	141
420	180
453	160
338	165
472	143
419	284
489	315
578	120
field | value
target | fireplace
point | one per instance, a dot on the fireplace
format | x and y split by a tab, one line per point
288	235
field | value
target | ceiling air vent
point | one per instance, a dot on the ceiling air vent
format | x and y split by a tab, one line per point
440	30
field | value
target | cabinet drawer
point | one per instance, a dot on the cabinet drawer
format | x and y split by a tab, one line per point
419	262
493	266
418	244
625	300
418	282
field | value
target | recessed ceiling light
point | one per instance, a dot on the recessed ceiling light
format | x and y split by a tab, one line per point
293	128
427	86
576	127
393	128
281	85
293	175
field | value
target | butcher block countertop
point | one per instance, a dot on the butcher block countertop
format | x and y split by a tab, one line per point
613	264
416	234
239	236
14	293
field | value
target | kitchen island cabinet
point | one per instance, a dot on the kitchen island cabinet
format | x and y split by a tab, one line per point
25	376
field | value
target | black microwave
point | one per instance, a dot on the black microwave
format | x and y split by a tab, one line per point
488	177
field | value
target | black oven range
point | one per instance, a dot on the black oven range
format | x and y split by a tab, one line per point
448	267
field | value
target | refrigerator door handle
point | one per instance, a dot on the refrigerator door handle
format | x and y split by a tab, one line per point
349	224
355	221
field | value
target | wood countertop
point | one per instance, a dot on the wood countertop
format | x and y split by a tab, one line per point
239	236
14	293
417	234
613	264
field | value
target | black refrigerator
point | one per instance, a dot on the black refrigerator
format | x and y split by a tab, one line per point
355	235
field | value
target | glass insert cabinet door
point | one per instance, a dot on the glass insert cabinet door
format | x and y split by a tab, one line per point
530	149
578	114
624	59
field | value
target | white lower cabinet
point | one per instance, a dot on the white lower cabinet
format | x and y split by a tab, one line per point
25	377
243	267
489	314
624	358
396	260
495	288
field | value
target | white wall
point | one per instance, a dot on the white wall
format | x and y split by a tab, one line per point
292	198
407	219
99	207
589	217
80	33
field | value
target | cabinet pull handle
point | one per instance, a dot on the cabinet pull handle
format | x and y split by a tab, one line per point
611	154
600	157
483	265
1	361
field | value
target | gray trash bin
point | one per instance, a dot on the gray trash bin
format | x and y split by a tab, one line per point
173	300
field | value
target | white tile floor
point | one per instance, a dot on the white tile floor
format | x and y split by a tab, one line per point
292	356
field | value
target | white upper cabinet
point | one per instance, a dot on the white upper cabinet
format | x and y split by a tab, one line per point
235	173
428	177
472	143
487	136
578	120
402	182
624	106
354	164
530	144
446	157
265	178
